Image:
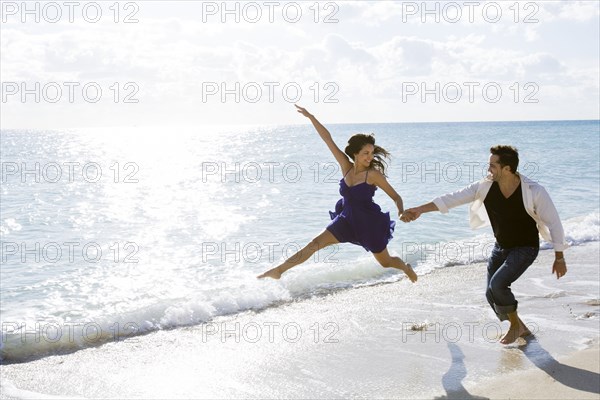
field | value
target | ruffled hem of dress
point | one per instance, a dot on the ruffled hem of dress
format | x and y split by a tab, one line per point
392	228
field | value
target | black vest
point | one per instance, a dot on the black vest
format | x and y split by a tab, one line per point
511	224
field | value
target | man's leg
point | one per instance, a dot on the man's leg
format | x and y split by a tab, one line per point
515	264
495	261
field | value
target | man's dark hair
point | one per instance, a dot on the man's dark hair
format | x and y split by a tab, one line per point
508	155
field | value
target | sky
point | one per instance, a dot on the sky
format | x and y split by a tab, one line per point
192	63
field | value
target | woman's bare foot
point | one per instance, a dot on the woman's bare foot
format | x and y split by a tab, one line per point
407	269
274	273
412	275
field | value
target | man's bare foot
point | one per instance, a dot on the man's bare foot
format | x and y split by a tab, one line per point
515	332
526	331
274	273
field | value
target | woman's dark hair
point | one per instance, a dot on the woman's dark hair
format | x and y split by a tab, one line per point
358	141
507	155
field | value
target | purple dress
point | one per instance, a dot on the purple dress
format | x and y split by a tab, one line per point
358	219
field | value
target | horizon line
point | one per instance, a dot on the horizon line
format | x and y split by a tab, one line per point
296	124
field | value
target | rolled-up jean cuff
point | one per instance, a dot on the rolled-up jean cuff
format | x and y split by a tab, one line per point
503	310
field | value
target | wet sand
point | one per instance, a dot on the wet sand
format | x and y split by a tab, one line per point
434	339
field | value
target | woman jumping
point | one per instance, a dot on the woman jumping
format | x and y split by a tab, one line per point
357	219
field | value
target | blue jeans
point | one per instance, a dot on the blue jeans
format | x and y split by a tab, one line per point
504	267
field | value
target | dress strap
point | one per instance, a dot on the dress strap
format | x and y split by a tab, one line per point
347	172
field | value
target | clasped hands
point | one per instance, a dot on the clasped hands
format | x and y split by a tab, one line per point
410	215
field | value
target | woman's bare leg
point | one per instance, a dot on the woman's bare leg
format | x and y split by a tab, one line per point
388	261
325	239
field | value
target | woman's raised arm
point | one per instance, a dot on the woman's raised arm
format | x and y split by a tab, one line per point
339	155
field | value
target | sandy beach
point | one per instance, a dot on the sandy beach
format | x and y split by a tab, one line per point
395	340
572	377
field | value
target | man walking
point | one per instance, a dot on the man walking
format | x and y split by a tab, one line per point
518	210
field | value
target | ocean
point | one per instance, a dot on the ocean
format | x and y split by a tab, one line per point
111	233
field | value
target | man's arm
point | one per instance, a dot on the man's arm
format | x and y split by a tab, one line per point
413	213
546	211
443	203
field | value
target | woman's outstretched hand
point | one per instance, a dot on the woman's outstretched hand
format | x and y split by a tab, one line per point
303	111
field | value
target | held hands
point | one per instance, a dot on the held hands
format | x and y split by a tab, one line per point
410	215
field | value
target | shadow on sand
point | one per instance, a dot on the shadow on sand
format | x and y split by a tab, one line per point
452	379
573	377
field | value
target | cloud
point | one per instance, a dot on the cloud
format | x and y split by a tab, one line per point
339	49
579	10
370	13
171	57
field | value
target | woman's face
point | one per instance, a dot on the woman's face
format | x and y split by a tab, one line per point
364	157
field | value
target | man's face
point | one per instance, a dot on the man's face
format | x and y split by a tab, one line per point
495	169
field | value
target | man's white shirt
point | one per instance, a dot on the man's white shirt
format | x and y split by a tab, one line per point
536	200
